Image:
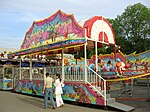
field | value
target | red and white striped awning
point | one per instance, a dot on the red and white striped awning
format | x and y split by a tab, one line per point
99	29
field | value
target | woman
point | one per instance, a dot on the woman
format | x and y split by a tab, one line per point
58	91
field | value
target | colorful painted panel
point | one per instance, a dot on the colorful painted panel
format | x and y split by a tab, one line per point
29	87
56	28
6	84
143	57
140	62
71	91
47	47
81	93
1	83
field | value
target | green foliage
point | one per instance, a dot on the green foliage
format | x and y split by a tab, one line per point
132	29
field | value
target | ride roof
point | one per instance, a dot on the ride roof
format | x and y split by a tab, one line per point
60	31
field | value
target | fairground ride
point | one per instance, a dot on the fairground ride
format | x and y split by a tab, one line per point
62	34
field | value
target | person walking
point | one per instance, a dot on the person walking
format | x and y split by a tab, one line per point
58	91
47	91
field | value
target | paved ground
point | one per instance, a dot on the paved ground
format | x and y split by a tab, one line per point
14	102
140	98
140	106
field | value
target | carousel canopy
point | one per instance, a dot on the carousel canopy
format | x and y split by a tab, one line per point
62	31
55	32
99	29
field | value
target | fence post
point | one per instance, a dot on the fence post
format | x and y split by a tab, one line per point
85	62
105	92
62	57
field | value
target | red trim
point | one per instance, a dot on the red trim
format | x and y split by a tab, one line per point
110	28
71	49
89	23
81	47
101	37
59	51
132	98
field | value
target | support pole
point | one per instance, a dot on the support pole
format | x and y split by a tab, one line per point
85	62
115	53
148	92
44	74
20	69
12	77
96	60
96	64
3	76
62	57
30	67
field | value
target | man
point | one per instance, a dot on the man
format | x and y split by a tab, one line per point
47	91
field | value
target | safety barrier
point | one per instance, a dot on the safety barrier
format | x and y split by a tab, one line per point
97	82
74	73
81	73
71	73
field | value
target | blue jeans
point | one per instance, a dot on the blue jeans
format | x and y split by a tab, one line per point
48	93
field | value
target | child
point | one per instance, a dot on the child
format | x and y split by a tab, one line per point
120	66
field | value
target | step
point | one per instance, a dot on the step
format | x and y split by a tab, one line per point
110	100
121	106
108	95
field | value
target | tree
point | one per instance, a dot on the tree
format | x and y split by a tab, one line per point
132	29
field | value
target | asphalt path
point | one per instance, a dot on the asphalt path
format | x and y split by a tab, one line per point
14	102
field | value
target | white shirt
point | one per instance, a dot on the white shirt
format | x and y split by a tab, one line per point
58	87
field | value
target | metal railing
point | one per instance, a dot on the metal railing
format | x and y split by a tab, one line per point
25	73
72	72
77	73
36	73
53	70
97	82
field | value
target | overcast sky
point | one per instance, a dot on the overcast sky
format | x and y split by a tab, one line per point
16	16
